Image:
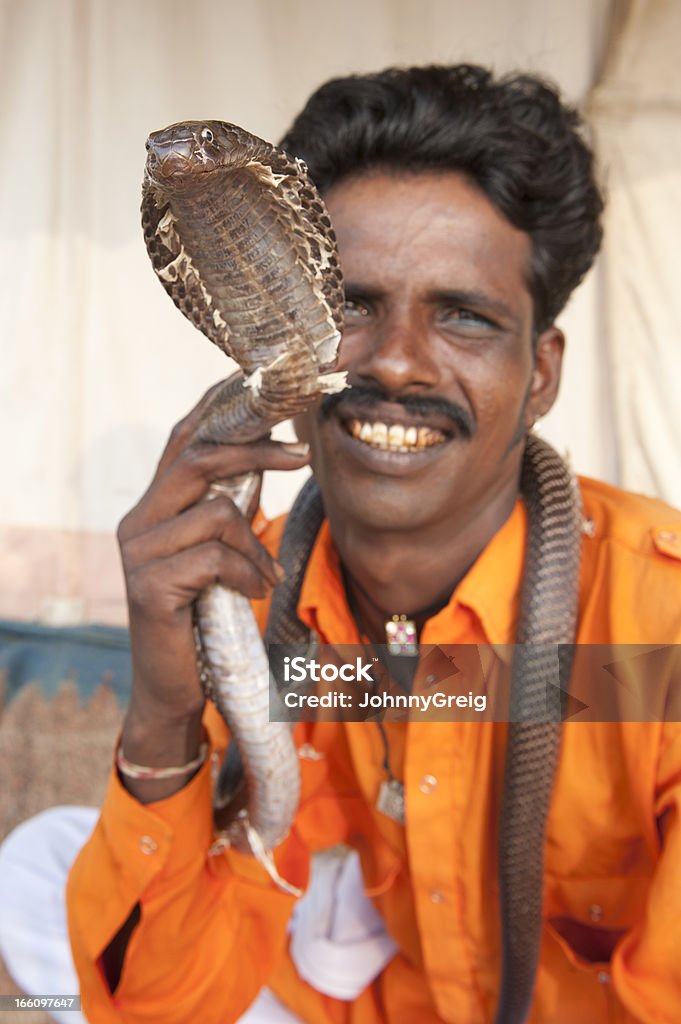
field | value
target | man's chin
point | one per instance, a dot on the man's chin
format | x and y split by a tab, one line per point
378	502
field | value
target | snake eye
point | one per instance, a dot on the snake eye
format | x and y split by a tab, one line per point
207	135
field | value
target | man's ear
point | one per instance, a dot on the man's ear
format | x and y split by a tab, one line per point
548	363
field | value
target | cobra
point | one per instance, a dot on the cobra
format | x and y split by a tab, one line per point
240	239
243	245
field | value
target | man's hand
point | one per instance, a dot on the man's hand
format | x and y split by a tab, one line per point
173	545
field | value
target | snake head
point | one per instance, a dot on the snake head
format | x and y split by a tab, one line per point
178	154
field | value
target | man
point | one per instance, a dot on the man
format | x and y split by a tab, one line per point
466	212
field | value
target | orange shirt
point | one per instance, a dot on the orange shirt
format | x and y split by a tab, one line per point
213	928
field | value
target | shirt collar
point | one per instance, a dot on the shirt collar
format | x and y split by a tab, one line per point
490	590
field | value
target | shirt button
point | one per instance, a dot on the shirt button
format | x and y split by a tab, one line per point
667	536
431	679
428	783
595	912
147	845
603	977
588	528
307	752
437	897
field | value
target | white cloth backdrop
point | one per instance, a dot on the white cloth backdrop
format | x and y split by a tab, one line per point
636	112
95	362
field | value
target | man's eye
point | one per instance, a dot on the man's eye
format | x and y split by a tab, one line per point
466	318
355	309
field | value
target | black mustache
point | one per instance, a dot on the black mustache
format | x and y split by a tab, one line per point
366	398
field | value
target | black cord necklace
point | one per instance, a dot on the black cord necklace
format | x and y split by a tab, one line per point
400	660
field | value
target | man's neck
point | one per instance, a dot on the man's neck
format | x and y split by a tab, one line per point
414	574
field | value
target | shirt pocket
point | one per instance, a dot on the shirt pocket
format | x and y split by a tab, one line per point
586	918
597	907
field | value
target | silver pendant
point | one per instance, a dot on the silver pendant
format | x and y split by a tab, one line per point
390	800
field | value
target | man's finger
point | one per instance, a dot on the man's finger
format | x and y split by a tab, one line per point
218	519
184	430
188	477
169	585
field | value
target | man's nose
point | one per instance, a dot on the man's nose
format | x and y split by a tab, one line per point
399	355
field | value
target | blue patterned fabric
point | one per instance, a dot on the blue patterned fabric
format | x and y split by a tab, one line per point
48	655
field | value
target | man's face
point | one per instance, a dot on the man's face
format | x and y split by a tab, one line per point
438	348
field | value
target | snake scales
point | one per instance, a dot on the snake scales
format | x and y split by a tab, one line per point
242	243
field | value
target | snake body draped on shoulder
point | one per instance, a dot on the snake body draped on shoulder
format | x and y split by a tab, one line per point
242	243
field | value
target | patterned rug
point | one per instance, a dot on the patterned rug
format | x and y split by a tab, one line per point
62	695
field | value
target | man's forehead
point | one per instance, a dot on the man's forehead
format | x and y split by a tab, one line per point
429	225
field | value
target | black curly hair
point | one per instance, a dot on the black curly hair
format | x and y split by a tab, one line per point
512	136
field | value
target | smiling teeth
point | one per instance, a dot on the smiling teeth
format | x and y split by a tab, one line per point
395	438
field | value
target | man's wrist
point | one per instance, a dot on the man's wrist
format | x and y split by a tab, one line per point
158	742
